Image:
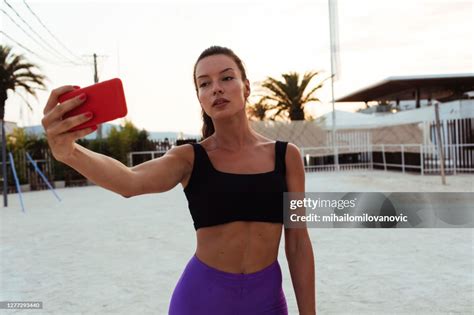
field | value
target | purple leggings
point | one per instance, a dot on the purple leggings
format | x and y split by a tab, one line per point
202	289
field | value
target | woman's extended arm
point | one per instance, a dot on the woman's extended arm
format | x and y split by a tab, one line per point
298	249
157	175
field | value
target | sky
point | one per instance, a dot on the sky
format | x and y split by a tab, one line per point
152	47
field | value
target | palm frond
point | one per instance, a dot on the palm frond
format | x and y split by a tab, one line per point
311	99
308	76
290	94
16	72
277	90
26	102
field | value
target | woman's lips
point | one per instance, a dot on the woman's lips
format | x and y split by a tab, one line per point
219	101
221	104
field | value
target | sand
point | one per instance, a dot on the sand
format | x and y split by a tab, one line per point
96	252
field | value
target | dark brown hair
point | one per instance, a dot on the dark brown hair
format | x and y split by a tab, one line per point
207	124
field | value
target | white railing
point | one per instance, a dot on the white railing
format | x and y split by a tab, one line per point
457	158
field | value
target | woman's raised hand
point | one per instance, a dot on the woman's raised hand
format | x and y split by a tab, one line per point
60	140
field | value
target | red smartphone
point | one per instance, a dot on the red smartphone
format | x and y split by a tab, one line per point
106	100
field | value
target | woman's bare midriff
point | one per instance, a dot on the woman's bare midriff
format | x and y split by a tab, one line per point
239	247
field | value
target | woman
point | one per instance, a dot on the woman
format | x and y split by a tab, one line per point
235	268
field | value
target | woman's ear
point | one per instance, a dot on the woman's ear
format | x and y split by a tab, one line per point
247	89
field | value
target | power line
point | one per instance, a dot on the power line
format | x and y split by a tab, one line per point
26	23
24	47
50	33
31	51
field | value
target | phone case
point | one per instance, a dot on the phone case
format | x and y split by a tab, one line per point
106	100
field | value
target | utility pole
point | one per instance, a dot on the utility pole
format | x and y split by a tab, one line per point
96	80
439	143
334	47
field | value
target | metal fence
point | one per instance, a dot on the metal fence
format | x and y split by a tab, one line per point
414	158
26	173
423	159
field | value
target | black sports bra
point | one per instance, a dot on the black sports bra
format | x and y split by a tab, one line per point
216	197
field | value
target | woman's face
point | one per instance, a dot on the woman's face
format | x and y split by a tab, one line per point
220	88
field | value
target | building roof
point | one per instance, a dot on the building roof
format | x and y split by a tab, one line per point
347	120
441	87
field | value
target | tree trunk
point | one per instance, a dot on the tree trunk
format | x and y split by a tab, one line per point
3	98
4	166
296	112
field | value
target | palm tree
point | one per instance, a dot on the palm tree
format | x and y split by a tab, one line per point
258	111
289	95
15	73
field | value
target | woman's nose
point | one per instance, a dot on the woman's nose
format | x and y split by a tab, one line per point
217	88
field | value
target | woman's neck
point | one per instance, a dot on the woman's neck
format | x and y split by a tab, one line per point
233	134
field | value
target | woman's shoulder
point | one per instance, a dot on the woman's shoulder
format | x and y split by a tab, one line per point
293	157
266	140
184	151
292	146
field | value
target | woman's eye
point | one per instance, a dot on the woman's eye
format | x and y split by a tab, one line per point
228	78
204	84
